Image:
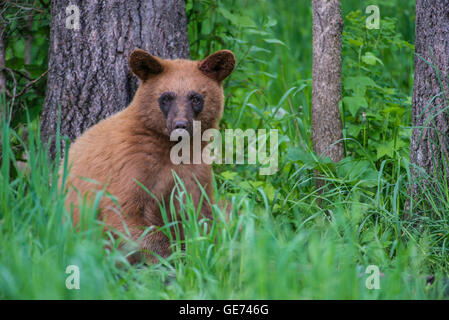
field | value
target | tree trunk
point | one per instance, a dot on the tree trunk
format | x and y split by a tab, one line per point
89	77
326	92
430	138
28	39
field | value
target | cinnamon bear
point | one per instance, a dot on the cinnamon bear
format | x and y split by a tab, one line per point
133	146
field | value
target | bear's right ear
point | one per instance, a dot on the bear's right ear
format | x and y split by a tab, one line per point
144	65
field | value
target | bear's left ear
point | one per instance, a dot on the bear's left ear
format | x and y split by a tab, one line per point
218	65
144	65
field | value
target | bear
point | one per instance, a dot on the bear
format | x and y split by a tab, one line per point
133	146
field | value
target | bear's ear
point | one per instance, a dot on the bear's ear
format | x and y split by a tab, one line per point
144	65
218	65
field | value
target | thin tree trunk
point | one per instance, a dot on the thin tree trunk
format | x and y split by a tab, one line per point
430	138
326	91
89	77
28	39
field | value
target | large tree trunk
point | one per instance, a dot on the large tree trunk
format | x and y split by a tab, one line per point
430	138
326	92
89	77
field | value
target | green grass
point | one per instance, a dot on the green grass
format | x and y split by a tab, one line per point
316	253
278	243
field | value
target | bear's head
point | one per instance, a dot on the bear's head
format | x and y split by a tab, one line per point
174	93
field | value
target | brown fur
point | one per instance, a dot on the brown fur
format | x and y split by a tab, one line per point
134	145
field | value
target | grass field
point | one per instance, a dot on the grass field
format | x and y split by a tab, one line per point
284	239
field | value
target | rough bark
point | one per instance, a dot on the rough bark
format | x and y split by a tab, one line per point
89	77
326	91
430	138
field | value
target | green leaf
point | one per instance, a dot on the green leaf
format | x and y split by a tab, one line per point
297	154
248	184
228	15
389	91
228	175
354	130
34	70
359	172
371	59
270	191
395	109
275	41
270	23
15	63
258	49
355	42
271	75
243	21
353	104
358	84
383	149
388	148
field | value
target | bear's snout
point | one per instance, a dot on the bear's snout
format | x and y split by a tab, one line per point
180	124
180	127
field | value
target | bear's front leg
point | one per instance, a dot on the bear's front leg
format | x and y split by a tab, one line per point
156	242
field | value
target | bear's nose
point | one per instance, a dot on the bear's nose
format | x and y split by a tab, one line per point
181	124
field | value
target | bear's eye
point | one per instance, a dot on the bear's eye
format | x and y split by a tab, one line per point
196	101
165	101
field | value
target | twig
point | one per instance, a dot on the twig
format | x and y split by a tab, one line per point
27	8
31	83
